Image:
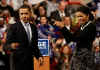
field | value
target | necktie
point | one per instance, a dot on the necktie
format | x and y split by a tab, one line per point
28	31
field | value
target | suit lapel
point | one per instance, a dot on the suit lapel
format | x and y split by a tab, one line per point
22	29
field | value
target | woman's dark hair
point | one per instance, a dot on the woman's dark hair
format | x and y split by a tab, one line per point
85	10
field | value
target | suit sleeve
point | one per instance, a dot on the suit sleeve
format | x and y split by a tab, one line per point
36	51
67	34
11	32
83	36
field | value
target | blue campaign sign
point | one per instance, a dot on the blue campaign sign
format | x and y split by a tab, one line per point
43	45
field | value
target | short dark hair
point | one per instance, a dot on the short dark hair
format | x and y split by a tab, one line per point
25	6
43	16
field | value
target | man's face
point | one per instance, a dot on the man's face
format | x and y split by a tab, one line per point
24	14
43	20
67	21
62	6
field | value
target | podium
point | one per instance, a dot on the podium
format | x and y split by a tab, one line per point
45	66
43	45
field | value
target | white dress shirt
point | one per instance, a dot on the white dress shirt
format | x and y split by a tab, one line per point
68	27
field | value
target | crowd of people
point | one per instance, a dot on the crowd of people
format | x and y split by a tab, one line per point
73	31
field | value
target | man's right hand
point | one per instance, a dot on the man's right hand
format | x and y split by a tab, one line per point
14	45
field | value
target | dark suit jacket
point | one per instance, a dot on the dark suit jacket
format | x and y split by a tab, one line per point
83	38
22	56
56	16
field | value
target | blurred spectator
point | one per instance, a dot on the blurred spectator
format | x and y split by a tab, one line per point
56	50
64	61
45	29
5	6
59	42
8	19
3	28
41	11
97	21
96	50
67	24
54	62
25	2
52	6
98	10
3	57
96	1
92	5
60	13
15	4
94	12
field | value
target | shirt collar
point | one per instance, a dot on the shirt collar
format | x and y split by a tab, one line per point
25	24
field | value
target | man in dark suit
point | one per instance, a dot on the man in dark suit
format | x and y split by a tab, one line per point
22	41
60	13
